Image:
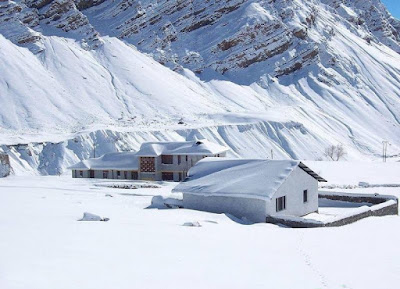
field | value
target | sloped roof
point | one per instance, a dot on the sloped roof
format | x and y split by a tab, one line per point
258	179
110	161
195	147
312	173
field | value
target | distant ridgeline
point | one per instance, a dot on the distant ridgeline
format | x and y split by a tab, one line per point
5	167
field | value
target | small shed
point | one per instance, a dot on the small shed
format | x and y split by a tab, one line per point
251	189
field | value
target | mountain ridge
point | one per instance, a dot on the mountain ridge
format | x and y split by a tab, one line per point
313	71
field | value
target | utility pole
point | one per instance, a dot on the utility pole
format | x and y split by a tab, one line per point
384	150
94	148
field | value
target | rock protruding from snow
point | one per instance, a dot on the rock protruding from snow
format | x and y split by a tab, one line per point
161	202
372	17
17	23
92	217
25	22
192	224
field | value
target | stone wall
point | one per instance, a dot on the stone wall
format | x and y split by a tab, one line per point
5	167
390	209
356	198
383	206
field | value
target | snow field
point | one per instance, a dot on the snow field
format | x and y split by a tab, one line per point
44	246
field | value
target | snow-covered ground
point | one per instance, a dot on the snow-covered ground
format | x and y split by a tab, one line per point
352	173
42	245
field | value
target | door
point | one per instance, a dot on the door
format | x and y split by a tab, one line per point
91	174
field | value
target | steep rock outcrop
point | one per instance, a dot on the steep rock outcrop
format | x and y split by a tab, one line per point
25	22
230	36
372	17
17	23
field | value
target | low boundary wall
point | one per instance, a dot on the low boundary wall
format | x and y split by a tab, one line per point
5	167
382	206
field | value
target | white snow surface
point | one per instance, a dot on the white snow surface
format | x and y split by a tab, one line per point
352	173
110	161
194	147
43	246
244	178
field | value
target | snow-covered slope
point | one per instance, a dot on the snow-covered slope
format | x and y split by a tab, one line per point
291	76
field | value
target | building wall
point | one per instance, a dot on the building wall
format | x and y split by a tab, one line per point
251	209
75	174
293	188
98	174
176	168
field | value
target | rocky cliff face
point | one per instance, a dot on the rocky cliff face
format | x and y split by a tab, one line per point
228	36
225	36
17	23
370	17
25	21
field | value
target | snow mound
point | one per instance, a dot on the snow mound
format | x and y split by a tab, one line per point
161	202
92	217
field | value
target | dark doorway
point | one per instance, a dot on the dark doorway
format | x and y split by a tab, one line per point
167	176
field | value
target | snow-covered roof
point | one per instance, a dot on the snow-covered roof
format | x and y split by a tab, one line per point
195	147
110	161
253	178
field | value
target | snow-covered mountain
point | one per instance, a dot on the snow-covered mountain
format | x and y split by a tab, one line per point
289	75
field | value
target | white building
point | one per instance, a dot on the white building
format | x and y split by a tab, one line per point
156	161
253	189
121	165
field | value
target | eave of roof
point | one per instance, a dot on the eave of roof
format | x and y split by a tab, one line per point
154	149
104	169
312	173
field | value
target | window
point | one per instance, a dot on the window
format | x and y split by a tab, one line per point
147	165
105	174
125	175
281	204
134	175
180	177
186	158
167	176
81	174
167	159
118	173
305	196
179	160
